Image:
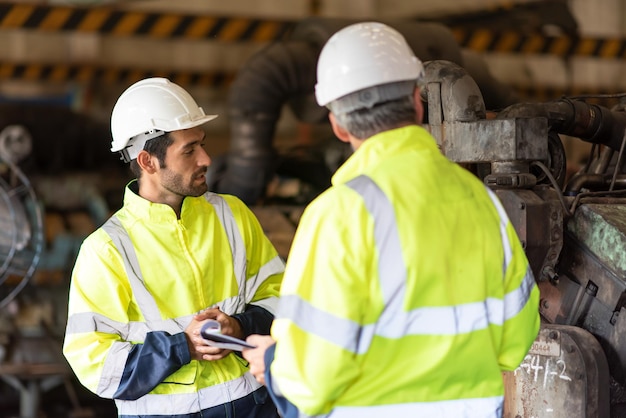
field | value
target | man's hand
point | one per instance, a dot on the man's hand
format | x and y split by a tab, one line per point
198	348
229	325
256	356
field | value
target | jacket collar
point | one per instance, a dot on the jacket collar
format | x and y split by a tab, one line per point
381	146
143	208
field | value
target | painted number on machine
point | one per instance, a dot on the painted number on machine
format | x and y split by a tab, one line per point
547	369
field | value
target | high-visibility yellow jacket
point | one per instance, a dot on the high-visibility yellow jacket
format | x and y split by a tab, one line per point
136	284
406	293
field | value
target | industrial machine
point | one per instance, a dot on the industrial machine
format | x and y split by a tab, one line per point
573	227
573	233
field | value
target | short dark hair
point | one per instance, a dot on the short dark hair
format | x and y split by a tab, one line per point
157	147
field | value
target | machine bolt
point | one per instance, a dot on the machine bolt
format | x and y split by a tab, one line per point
549	272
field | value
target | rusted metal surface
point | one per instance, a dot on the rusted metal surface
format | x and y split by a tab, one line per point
543	240
496	140
599	304
564	375
557	299
602	229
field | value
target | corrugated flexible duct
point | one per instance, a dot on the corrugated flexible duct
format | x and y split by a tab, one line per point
284	73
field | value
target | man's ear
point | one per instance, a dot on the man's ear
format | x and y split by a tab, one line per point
419	107
339	131
147	163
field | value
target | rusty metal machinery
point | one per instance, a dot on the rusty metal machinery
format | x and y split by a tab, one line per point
574	234
559	377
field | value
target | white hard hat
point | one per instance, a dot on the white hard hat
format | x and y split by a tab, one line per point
148	109
363	55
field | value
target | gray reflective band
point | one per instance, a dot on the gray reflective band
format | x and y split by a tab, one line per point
189	403
86	322
237	246
504	220
515	300
114	365
391	266
394	321
340	331
247	287
124	245
458	408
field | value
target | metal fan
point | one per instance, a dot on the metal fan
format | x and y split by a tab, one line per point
21	222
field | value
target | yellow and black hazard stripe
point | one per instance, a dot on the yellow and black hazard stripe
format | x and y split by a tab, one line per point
107	20
483	40
91	74
103	20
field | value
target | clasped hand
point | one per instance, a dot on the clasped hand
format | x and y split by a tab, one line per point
198	347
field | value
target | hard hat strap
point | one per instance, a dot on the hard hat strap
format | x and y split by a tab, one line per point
368	97
137	143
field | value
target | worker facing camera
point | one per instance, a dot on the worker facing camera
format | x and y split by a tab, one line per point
172	258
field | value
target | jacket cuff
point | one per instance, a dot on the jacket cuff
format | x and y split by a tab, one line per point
254	320
181	348
284	406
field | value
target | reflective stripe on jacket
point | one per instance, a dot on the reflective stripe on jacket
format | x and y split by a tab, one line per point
137	283
406	290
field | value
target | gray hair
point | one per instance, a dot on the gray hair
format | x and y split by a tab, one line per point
369	97
366	122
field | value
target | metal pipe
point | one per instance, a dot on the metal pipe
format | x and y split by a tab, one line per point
589	122
592	181
284	73
256	98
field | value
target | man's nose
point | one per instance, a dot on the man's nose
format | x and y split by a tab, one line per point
205	159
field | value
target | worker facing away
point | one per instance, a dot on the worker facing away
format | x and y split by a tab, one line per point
172	258
407	291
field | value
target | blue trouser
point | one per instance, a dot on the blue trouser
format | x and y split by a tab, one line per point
258	404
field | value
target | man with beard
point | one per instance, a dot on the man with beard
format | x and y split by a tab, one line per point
172	258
